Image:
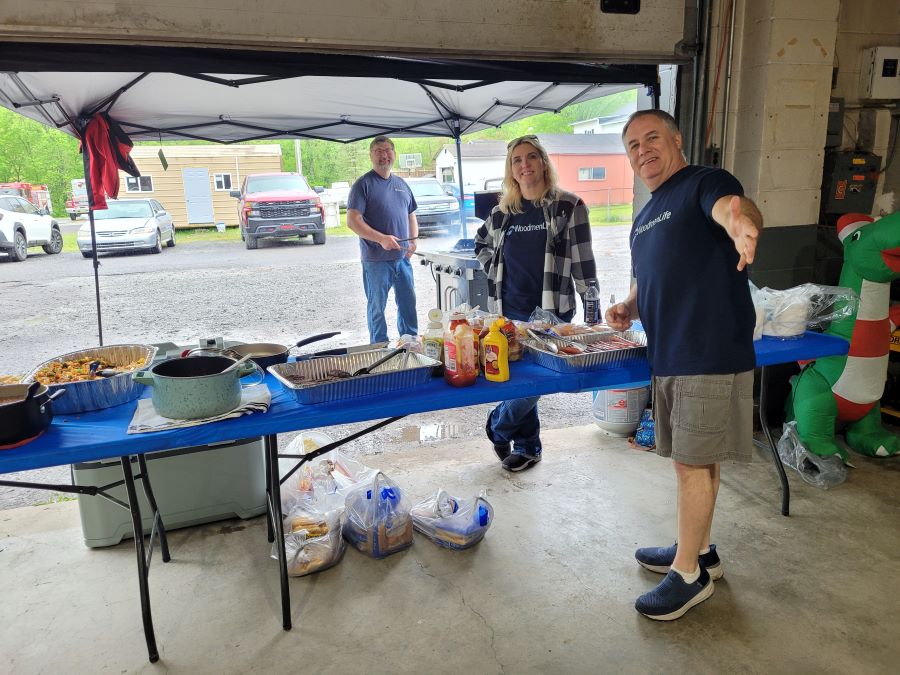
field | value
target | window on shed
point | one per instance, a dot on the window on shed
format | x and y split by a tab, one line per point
223	181
592	173
139	184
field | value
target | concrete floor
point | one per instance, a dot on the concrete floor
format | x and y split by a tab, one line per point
550	589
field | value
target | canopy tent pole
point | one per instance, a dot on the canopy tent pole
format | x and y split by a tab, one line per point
462	191
86	161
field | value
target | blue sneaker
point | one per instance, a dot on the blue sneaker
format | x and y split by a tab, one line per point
659	560
673	597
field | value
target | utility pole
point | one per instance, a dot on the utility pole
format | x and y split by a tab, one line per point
297	155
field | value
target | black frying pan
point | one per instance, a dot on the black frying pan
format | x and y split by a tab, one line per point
266	354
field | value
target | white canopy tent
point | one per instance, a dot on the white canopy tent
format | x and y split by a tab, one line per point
170	93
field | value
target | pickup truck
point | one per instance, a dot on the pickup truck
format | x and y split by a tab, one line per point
77	204
277	206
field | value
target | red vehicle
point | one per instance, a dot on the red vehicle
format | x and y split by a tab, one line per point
279	205
38	195
77	204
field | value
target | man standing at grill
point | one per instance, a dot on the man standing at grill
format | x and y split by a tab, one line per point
690	246
381	210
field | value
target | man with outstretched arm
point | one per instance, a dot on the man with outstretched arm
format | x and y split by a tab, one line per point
690	246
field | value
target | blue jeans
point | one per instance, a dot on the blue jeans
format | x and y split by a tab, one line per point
378	279
517	422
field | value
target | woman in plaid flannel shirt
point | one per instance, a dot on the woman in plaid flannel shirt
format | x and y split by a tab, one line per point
535	248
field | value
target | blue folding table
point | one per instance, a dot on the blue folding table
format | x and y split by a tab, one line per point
99	435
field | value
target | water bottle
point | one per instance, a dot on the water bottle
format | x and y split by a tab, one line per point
592	304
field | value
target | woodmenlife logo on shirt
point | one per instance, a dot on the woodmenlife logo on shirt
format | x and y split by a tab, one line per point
534	227
649	225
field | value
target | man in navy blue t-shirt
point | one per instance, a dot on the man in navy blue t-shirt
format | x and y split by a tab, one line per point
690	246
381	210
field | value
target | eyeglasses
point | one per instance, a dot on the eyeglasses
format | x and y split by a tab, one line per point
528	138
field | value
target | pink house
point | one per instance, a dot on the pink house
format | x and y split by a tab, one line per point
593	166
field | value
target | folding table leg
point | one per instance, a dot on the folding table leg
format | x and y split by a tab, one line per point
785	487
274	503
154	509
270	532
143	570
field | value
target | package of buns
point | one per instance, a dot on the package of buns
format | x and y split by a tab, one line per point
452	522
312	540
377	518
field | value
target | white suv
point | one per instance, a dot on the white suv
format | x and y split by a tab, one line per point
22	225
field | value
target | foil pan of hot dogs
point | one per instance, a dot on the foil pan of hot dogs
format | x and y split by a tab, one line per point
603	350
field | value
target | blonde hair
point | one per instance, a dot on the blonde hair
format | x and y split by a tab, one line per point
511	198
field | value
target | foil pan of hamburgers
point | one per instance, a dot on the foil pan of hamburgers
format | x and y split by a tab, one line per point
331	378
95	378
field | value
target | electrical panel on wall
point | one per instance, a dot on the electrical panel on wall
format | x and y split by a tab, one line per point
879	73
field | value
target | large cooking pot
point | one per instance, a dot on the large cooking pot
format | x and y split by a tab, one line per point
25	411
189	388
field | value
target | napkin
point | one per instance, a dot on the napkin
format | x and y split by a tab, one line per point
255	398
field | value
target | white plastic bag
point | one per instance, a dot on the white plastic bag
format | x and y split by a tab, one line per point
452	522
378	521
820	472
791	311
313	540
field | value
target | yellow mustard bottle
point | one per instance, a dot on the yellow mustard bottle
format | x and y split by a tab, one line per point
496	354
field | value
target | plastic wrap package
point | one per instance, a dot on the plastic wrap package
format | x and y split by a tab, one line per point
759	306
791	311
325	481
313	540
411	343
452	522
645	436
297	488
377	518
820	472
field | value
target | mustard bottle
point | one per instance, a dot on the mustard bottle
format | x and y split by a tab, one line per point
496	354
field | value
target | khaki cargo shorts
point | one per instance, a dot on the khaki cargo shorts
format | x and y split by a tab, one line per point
704	419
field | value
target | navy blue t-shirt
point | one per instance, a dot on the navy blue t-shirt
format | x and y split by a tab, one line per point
693	302
385	204
524	248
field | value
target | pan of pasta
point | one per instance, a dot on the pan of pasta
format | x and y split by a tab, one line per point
96	378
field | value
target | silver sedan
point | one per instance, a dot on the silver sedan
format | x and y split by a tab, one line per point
128	225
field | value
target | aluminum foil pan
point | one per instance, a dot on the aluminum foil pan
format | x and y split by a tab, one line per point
103	392
579	363
401	372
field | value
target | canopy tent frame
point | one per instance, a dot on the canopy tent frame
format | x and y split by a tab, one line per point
431	76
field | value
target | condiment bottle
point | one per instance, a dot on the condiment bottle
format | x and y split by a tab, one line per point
460	367
433	339
496	354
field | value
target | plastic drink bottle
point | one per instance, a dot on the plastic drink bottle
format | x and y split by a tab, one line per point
496	354
592	304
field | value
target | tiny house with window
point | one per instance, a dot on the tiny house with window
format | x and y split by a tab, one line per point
194	188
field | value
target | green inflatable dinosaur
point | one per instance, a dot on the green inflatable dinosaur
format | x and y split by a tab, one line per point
843	392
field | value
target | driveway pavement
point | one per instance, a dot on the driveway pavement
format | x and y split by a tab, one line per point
278	293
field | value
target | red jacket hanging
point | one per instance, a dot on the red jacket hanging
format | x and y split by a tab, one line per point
108	150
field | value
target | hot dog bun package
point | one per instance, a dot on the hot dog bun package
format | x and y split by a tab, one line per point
453	522
377	518
312	540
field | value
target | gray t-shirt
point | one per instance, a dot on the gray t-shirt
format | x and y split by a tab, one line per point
385	204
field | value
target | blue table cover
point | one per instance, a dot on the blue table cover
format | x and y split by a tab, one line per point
102	434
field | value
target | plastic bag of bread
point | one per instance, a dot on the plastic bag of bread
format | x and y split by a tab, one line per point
452	522
377	518
312	540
